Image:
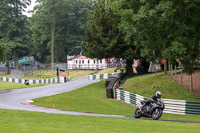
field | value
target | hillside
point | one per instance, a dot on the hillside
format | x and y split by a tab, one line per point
147	85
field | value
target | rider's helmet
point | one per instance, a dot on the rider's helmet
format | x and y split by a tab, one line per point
158	94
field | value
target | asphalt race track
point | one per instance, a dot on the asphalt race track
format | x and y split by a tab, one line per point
19	99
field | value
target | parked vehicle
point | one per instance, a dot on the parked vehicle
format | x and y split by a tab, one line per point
153	110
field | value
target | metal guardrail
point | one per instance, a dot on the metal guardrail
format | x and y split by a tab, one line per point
100	76
42	81
103	76
171	106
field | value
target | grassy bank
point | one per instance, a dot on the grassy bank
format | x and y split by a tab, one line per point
34	122
147	85
77	73
107	70
87	99
93	99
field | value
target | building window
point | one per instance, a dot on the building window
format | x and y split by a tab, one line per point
88	61
101	61
82	61
94	61
76	61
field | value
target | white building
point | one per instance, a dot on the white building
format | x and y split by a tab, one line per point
85	63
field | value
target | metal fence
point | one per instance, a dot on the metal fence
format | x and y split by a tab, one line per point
59	65
16	74
3	69
171	106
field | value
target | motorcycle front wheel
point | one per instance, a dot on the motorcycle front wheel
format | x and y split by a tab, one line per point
157	113
137	113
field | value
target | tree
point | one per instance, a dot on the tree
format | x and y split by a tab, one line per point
105	40
163	29
13	27
67	18
1	53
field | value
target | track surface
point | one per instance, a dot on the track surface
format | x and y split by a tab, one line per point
19	99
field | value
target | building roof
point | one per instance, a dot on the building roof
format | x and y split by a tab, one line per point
77	57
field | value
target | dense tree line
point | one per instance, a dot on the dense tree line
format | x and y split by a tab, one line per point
14	34
65	21
151	29
57	25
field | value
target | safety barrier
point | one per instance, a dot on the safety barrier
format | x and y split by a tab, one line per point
171	106
102	76
42	81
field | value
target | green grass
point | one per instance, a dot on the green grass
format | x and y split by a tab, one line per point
107	70
87	99
147	85
93	99
45	74
5	75
9	85
40	74
111	70
77	73
34	122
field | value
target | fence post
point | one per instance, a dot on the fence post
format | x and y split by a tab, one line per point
191	87
181	77
171	69
175	73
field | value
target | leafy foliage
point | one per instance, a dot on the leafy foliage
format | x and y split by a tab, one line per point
70	18
14	34
104	39
162	28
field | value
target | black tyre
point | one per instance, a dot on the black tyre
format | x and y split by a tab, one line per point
157	113
137	113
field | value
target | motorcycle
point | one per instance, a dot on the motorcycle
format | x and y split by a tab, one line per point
153	110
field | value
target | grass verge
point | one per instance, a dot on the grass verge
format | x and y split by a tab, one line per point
45	74
107	70
93	99
34	122
77	73
9	85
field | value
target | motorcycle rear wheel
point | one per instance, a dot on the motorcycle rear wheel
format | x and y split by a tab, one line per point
157	113
137	113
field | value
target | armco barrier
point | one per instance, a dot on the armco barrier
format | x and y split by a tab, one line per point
42	81
101	76
171	106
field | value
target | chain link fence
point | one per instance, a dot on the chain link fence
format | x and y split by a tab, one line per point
16	74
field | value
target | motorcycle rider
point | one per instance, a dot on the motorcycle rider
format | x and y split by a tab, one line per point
153	98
